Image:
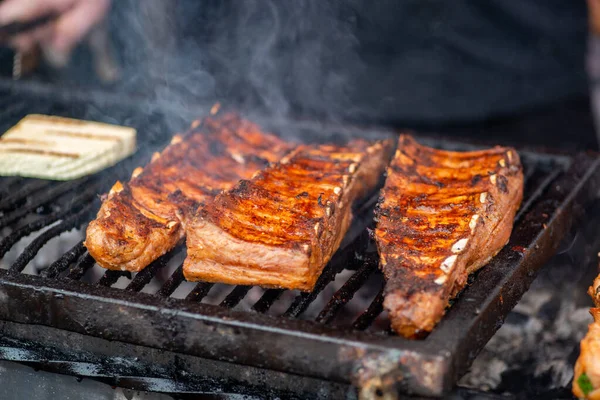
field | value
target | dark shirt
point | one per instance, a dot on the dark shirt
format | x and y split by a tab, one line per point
465	59
388	60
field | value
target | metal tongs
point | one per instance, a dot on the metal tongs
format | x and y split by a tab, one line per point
98	41
24	62
16	28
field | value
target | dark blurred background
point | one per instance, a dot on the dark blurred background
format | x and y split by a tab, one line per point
495	70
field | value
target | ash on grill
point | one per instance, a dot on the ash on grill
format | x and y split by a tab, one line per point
534	352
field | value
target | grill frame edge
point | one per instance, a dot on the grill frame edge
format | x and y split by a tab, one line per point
429	367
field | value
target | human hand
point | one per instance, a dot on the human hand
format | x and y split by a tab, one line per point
594	16
75	19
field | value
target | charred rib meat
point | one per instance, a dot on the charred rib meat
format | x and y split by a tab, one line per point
280	228
143	219
442	215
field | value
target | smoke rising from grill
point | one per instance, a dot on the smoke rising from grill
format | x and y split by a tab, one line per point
277	58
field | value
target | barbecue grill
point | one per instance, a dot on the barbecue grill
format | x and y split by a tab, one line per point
154	331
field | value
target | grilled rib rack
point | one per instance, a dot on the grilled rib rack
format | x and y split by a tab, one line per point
301	344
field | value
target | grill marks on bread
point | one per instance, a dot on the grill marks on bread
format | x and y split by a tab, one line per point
57	148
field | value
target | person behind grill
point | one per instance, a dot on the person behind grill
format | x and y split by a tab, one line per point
512	69
75	20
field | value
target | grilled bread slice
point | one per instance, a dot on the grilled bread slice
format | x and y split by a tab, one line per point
141	220
50	147
280	228
442	215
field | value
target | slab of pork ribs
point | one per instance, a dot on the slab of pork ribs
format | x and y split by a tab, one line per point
143	219
280	228
442	215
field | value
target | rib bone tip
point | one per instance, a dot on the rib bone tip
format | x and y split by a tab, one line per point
460	245
473	222
176	139
483	197
136	172
171	224
448	263
238	158
117	187
215	108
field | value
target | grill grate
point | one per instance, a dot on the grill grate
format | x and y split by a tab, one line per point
347	291
323	334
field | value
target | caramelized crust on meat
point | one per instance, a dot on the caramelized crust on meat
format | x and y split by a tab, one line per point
442	215
143	219
586	379
281	228
594	291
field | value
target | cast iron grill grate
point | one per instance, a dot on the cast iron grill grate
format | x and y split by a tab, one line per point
336	332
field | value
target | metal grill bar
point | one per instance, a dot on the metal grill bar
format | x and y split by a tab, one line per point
63	262
200	291
365	319
236	295
303	300
530	198
67	224
347	291
111	277
10	240
7	184
22	194
145	276
172	283
47	197
11	181
85	262
528	171
269	297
